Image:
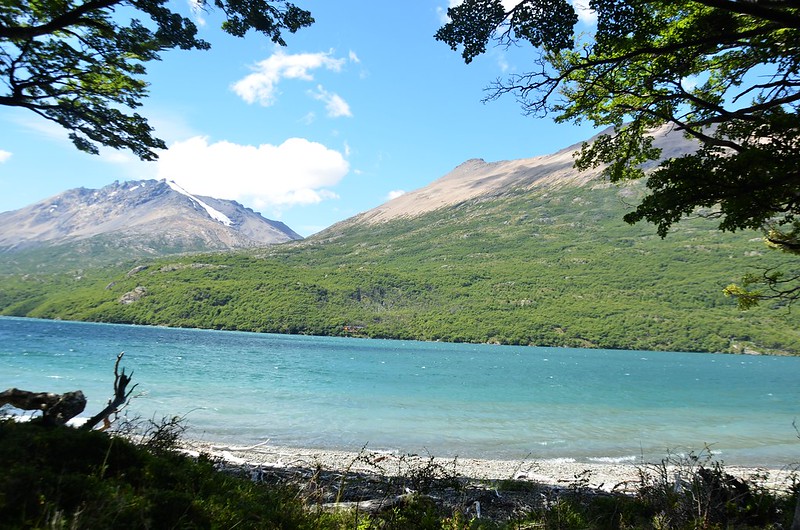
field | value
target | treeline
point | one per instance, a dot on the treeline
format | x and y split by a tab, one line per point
555	268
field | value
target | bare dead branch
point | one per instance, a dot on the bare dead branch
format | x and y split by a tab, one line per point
121	395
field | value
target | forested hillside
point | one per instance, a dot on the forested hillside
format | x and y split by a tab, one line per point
551	267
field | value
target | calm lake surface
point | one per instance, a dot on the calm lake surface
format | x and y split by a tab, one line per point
416	397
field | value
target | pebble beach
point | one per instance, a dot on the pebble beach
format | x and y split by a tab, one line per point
551	472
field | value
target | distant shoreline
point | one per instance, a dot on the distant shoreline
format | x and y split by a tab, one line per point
624	477
743	351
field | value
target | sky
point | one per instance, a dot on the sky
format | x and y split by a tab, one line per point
358	108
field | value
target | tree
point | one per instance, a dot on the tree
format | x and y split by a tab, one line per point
724	72
80	63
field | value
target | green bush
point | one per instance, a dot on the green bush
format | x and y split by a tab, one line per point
65	478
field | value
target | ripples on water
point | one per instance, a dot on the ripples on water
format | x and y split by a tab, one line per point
445	399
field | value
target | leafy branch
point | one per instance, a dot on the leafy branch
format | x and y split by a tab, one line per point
81	64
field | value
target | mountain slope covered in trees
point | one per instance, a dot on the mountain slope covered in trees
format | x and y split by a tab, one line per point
550	266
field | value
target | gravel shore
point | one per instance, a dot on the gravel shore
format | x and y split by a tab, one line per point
552	472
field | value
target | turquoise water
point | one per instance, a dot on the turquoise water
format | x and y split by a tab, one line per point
437	398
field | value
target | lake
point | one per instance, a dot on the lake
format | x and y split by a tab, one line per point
428	398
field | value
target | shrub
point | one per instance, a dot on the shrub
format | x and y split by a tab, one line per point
696	492
63	477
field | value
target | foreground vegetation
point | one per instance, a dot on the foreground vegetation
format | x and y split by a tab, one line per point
68	478
546	267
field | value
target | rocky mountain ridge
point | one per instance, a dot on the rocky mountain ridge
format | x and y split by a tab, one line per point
477	178
139	213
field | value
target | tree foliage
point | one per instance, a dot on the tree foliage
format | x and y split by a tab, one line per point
80	63
725	72
546	268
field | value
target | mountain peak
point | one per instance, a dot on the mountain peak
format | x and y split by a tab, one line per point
143	213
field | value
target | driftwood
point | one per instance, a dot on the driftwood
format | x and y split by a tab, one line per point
57	409
121	395
371	506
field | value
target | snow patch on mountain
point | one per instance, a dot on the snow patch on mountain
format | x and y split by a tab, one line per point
214	214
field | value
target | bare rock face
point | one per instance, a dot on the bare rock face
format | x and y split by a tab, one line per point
133	296
145	214
476	179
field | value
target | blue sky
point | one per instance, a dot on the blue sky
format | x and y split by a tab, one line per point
359	107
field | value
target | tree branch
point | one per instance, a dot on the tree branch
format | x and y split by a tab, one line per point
70	18
787	17
121	395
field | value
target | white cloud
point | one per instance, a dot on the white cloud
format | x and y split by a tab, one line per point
309	118
4	156
353	57
394	194
335	105
261	85
198	9
585	14
692	82
270	177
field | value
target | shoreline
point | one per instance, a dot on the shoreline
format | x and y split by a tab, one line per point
557	473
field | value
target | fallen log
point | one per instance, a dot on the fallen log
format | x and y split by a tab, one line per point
56	409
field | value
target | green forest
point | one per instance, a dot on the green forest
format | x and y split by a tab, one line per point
555	267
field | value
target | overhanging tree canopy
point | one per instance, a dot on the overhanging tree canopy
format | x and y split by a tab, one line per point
725	72
80	63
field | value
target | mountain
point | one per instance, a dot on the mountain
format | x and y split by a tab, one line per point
477	179
521	252
146	217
